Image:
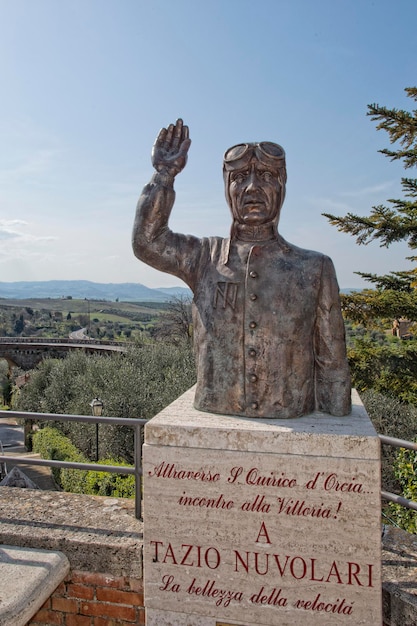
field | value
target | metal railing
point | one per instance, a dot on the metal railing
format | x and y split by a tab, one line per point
136	469
387	495
67	340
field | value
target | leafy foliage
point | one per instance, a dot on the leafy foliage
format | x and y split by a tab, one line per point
138	383
51	444
385	372
369	306
389	368
393	418
405	469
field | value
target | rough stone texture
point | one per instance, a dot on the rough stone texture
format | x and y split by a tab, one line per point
343	437
154	617
17	478
223	543
96	533
399	561
28	577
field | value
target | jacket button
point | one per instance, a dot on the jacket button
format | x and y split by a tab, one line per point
253	296
252	324
253	378
253	274
252	352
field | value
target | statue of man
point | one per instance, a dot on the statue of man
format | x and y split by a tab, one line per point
268	330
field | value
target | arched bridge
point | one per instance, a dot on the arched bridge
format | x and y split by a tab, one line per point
27	352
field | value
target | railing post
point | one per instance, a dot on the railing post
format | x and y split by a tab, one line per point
138	467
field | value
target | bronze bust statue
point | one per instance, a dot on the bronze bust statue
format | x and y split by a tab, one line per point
268	330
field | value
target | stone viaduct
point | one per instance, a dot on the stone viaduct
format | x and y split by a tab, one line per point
27	352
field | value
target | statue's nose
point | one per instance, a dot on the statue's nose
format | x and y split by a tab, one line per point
252	181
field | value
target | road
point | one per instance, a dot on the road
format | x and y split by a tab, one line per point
11	434
79	334
12	438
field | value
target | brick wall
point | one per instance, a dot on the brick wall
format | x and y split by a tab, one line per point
93	599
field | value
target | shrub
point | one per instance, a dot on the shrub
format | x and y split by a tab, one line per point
396	419
392	418
106	484
389	368
52	444
405	468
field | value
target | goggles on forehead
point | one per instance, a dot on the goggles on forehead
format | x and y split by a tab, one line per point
266	149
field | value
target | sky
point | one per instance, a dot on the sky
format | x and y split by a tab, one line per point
86	86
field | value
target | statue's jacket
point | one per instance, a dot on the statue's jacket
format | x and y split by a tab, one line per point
268	331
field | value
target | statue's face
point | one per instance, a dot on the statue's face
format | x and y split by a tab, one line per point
255	193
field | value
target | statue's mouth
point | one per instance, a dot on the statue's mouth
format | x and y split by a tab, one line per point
254	202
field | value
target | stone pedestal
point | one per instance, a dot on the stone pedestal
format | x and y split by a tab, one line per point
253	522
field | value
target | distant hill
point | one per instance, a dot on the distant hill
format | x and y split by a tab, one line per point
80	289
130	292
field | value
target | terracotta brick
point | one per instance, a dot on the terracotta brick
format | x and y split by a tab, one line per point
106	621
119	597
141	601
99	579
44	616
66	605
77	620
100	609
86	592
103	621
60	590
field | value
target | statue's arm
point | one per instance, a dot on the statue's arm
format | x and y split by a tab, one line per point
152	240
332	375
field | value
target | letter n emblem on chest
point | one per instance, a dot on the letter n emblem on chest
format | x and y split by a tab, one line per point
225	295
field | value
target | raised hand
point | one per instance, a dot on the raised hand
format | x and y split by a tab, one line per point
169	152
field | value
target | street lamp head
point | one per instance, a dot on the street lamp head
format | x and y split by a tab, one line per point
96	407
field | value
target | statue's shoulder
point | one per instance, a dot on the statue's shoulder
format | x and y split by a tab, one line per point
216	245
312	256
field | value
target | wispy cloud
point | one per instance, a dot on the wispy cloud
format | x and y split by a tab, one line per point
366	191
11	229
352	200
325	204
16	231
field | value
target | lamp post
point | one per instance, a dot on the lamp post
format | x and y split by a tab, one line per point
89	323
97	410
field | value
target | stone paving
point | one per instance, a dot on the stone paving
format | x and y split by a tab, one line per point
11	434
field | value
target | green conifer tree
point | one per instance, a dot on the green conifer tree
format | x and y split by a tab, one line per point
388	224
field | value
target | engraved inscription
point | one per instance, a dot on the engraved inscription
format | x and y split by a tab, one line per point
226	293
245	544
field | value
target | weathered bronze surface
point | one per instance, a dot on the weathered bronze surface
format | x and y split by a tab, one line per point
268	330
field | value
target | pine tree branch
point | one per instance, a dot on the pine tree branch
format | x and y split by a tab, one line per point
408	156
400	125
383	224
395	281
389	224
